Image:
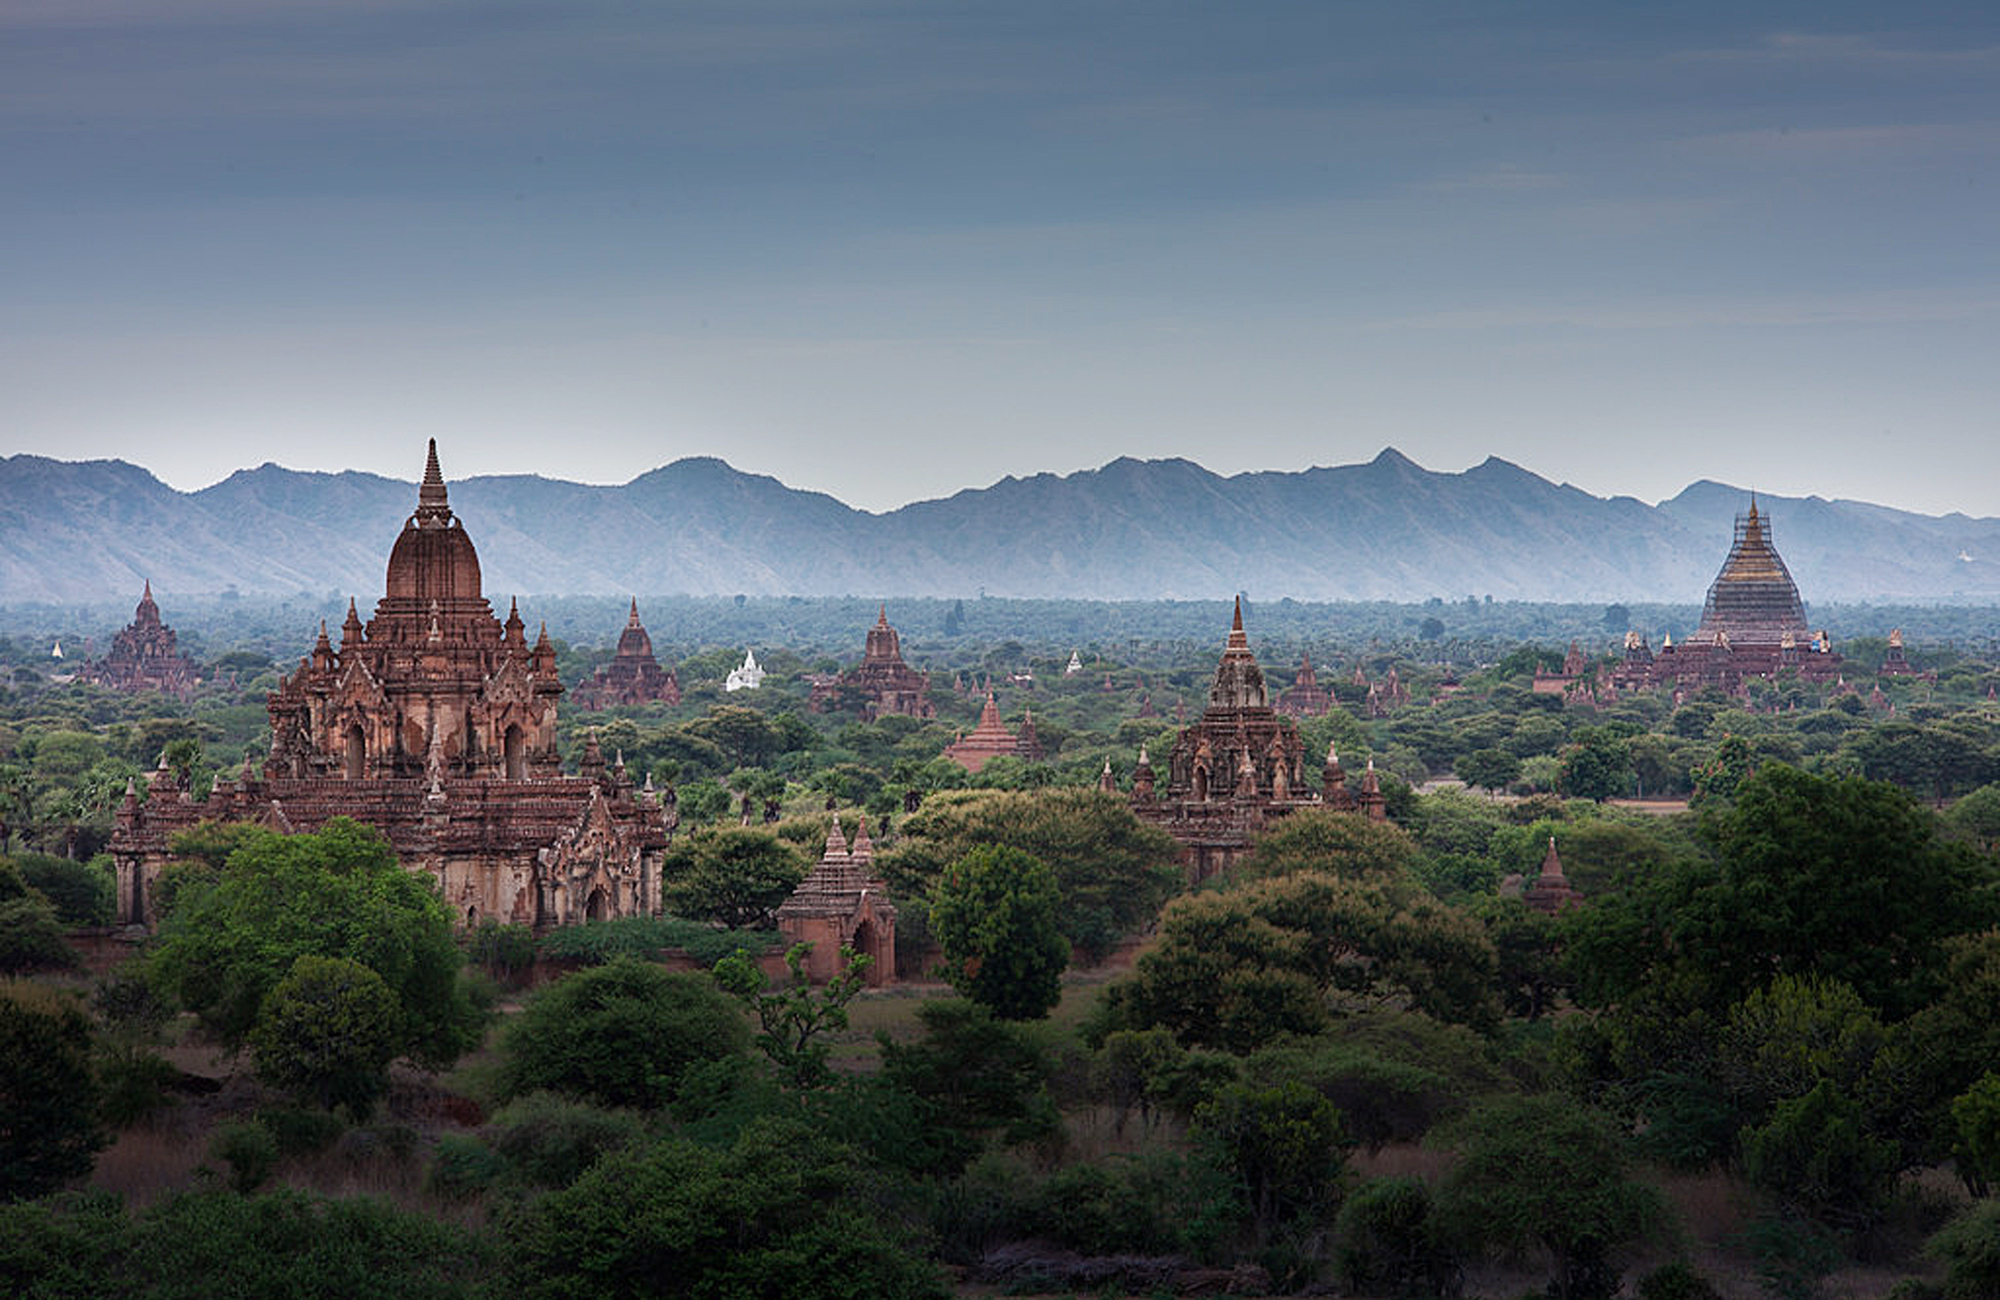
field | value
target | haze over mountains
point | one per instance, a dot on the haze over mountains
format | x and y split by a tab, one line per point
1385	530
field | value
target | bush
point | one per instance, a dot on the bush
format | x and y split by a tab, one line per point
549	1141
620	1035
133	1085
301	1130
1386	1242
48	1095
1969	1247
464	1167
645	937
249	1150
1676	1281
80	892
31	939
506	951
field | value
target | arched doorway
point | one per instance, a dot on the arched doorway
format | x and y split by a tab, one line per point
597	907
356	762
516	751
865	941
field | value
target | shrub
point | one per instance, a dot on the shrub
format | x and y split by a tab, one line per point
301	1130
549	1141
132	1085
464	1167
80	892
31	939
1677	1281
249	1150
644	937
48	1095
1386	1242
620	1035
1969	1247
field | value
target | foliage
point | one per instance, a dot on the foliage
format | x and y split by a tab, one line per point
1543	1171
1969	1247
774	1214
1387	1088
1838	877
995	914
735	876
1677	1281
506	952
1387	1243
645	937
327	1033
250	1151
1793	1255
31	938
547	1140
1346	845
970	1077
224	945
1112	870
1975	1114
1816	1151
81	892
621	1034
793	1024
1284	1146
48	1096
1237	968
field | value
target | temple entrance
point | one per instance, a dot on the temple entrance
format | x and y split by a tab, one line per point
517	759
356	760
864	943
597	907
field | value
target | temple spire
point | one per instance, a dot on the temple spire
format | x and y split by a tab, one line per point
432	505
633	621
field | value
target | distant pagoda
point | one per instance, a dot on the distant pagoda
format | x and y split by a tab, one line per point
991	739
633	676
144	656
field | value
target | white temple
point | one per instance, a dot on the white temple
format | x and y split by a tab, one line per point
1074	666
747	678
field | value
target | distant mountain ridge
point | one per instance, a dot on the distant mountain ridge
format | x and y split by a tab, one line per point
1160	529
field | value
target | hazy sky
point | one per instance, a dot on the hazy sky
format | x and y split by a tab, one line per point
892	250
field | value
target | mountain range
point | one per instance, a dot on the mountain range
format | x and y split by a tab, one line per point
88	531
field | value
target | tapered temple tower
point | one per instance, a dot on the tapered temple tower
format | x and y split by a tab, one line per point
144	655
887	684
1237	768
633	676
1753	601
435	723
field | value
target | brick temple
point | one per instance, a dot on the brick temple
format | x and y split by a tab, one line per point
633	676
435	723
1306	698
840	903
1237	769
145	656
886	684
1753	625
991	739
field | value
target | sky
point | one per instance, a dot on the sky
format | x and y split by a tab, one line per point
889	251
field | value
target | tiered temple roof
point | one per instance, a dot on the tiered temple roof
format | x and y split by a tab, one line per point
1238	767
843	903
436	724
144	656
887	684
633	676
991	739
1306	698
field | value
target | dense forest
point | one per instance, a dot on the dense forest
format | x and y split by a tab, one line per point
1758	1059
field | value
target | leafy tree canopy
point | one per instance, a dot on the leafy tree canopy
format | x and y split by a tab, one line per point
996	913
225	943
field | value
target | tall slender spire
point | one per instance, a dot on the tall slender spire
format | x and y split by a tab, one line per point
432	505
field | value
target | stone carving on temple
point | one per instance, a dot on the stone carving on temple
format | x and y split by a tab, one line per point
886	684
144	656
633	676
1237	768
842	902
434	723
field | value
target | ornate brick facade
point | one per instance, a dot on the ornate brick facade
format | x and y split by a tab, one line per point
840	903
633	676
435	723
887	684
144	656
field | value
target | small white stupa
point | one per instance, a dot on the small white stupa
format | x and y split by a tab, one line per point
1074	666
747	678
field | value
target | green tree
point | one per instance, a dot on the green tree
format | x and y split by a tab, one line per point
1285	1147
1975	1114
736	876
1969	1247
1595	765
1543	1171
31	939
1346	845
1113	870
1236	968
994	915
775	1214
48	1097
622	1034
327	1033
793	1024
225	943
1488	769
969	1077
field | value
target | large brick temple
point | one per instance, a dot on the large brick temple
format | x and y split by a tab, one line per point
1753	624
1238	768
145	656
633	676
887	686
435	723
